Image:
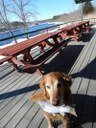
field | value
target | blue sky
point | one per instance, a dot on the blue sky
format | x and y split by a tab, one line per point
49	8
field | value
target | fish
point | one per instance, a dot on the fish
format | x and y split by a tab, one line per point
48	107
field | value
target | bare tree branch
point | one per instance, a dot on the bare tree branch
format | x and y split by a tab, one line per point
21	9
4	19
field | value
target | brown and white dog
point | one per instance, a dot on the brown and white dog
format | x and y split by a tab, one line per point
55	88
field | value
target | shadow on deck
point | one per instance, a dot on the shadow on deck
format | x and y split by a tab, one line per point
85	107
86	69
19	91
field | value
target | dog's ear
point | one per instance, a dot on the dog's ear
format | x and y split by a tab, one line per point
42	95
68	99
42	86
67	79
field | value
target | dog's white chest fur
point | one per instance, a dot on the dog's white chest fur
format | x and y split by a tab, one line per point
48	107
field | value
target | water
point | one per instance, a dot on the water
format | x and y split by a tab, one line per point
20	31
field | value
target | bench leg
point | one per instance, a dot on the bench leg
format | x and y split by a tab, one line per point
27	56
15	63
39	72
61	52
49	43
75	38
56	40
63	35
42	46
88	29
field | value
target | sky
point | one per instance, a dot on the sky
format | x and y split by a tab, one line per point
49	8
46	9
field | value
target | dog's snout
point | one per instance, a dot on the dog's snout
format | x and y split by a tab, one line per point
55	101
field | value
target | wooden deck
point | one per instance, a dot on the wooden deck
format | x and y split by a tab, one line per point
79	60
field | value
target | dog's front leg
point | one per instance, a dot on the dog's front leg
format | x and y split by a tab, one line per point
48	117
50	125
66	122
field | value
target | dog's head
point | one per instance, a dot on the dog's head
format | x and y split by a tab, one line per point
55	87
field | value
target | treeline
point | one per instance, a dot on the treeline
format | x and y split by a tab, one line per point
88	8
58	16
14	25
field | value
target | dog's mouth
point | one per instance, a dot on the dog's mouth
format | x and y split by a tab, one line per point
56	103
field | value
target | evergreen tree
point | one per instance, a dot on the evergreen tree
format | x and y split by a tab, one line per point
88	8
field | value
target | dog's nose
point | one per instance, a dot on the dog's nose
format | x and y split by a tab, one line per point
55	101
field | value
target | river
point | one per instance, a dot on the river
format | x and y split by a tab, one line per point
20	31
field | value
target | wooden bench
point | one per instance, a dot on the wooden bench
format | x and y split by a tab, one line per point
39	61
76	30
25	47
12	52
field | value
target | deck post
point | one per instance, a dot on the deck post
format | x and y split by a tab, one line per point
81	11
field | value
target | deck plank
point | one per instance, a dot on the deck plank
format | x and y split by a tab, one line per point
9	96
15	109
11	99
6	72
39	117
28	117
14	79
4	66
79	73
87	112
8	77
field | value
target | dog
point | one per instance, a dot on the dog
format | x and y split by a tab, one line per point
55	87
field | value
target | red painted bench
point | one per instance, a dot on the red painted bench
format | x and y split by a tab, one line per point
75	30
41	41
24	48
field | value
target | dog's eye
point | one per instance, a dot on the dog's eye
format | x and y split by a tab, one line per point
48	86
59	85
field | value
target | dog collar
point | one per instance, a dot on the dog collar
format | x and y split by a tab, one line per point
48	107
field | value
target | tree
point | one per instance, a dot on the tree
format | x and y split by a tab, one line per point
4	19
23	12
88	8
